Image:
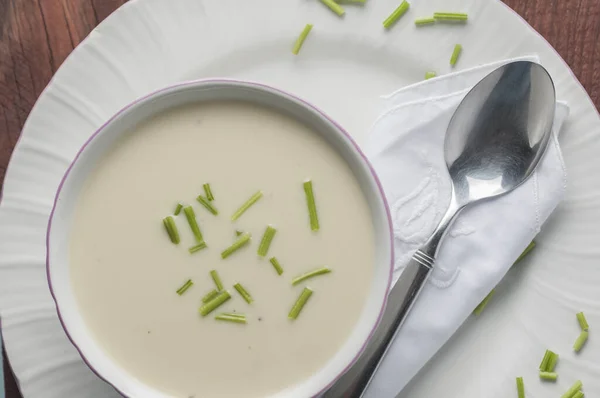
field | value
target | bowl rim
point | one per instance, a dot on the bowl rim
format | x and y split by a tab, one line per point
238	82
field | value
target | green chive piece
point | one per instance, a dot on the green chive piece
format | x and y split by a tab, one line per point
573	390
229	317
300	303
395	16
312	207
430	75
171	228
545	360
197	248
359	2
266	240
548	376
215	303
451	16
178	209
185	287
455	54
582	321
276	265
206	203
243	292
191	218
217	279
424	21
527	250
247	205
552	363
579	394
317	272
210	295
479	309
208	192
520	388
242	241
238	232
335	7
583	336
300	40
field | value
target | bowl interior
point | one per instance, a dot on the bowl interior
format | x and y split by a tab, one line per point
86	160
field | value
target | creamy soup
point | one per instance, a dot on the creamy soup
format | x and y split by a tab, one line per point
126	271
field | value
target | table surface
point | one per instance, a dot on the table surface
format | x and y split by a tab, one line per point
37	35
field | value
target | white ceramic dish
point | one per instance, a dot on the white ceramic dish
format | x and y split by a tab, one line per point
61	219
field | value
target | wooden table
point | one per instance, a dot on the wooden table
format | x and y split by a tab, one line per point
37	35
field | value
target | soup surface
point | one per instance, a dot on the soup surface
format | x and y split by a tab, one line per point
126	271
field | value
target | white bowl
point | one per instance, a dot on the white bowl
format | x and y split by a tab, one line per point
61	218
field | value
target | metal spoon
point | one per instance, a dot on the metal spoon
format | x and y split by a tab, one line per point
494	142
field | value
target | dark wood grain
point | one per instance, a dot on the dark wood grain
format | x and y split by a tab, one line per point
37	35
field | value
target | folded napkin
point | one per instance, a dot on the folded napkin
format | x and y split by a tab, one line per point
406	148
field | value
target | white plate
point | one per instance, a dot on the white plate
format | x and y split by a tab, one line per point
344	67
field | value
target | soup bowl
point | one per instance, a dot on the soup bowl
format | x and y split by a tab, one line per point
61	219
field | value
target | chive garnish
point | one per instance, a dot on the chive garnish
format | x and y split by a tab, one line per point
300	40
583	336
430	75
178	209
571	392
208	192
424	21
455	54
548	376
548	361
479	309
242	241
333	6
578	394
312	207
303	277
243	292
191	218
361	2
520	388
229	317
582	321
247	205
215	277
216	302
197	248
185	287
552	363
300	303
276	265
451	16
171	228
210	295
206	203
395	16
266	240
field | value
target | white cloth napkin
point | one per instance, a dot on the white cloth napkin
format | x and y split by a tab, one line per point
406	148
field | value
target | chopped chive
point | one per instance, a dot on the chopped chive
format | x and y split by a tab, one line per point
552	363
247	205
265	243
171	228
571	392
312	207
527	250
231	318
395	16
333	6
215	277
450	16
300	40
243	292
548	376
479	309
242	241
238	232
208	192
303	277
583	336
579	394
430	75
206	203
545	360
191	218
216	302
424	21
520	388
210	295
276	265
302	299
178	209
197	248
455	54
582	321
185	287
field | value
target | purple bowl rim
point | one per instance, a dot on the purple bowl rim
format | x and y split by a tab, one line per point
258	85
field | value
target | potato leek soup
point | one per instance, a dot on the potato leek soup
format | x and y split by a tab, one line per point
221	249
